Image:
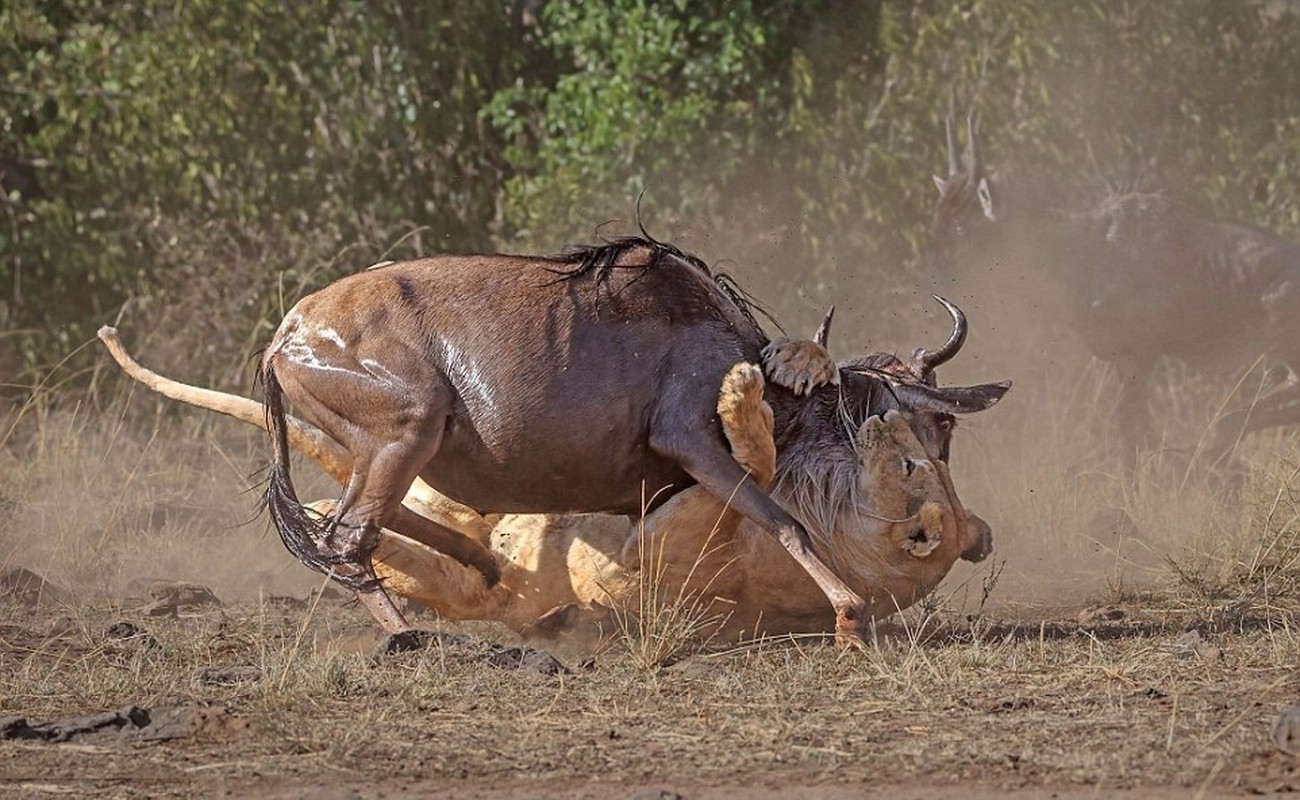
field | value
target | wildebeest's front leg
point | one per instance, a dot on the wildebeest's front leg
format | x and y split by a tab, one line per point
1132	403
693	441
1279	407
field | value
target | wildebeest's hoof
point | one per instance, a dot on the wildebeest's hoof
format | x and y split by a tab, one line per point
408	641
851	629
488	568
800	365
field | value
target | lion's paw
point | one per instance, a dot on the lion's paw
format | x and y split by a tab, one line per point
922	539
800	365
747	421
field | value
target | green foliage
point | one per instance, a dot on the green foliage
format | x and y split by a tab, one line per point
236	148
211	161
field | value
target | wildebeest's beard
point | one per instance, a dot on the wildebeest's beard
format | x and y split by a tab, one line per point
818	470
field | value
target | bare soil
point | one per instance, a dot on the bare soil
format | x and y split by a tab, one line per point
259	701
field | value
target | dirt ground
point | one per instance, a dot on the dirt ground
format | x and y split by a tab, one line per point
289	700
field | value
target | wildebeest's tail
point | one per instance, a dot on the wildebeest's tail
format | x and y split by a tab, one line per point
298	528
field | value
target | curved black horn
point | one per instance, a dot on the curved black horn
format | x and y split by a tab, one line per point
954	163
973	147
929	359
824	329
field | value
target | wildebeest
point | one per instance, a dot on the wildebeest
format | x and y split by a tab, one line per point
1136	276
887	526
582	383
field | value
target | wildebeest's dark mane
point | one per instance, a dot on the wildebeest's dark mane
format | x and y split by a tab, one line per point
817	466
602	259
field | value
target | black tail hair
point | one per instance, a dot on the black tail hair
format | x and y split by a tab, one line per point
298	528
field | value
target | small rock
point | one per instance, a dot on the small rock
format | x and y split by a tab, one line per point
657	794
128	632
30	589
229	676
171	597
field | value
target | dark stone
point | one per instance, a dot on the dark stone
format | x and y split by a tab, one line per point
229	676
62	730
127	632
471	648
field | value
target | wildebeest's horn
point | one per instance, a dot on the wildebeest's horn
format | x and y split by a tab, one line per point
824	330
929	359
951	399
972	144
954	163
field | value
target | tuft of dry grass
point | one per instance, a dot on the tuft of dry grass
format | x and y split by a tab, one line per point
665	625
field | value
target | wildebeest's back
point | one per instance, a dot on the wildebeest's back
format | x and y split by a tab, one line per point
1194	286
556	377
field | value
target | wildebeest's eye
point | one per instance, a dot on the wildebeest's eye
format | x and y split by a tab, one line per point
946	425
959	229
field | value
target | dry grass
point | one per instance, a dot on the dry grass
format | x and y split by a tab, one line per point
996	682
665	625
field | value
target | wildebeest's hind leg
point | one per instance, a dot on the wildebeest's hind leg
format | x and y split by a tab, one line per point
683	430
383	468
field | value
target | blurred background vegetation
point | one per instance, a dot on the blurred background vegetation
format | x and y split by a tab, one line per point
191	168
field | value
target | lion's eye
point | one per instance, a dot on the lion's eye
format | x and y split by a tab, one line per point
909	466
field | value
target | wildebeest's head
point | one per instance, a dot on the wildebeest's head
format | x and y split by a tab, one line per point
966	198
819	445
912	387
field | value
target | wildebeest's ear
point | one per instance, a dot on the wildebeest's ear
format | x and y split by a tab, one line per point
940	184
951	399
